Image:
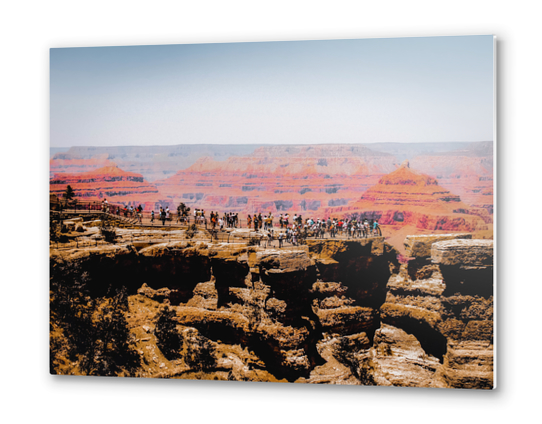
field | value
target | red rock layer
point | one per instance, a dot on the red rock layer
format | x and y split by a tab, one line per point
296	179
153	162
467	172
409	197
67	163
313	181
109	182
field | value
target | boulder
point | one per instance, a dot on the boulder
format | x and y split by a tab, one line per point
469	365
348	320
419	246
463	252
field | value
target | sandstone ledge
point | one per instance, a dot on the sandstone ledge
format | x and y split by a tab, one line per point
463	252
420	246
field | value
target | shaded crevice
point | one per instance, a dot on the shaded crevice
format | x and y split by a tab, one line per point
431	341
467	281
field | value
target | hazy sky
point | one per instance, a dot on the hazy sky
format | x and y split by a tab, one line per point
338	91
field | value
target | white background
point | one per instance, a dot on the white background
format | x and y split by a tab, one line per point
29	29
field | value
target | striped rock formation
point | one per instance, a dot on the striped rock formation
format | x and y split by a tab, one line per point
109	182
408	197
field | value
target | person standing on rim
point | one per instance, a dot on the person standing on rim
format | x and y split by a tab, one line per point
376	228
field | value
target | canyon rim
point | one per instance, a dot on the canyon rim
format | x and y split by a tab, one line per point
296	212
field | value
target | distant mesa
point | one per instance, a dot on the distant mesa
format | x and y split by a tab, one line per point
153	162
407	187
318	151
437	185
467	171
404	176
66	162
110	182
281	178
409	197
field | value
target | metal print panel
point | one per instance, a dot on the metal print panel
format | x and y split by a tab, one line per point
303	212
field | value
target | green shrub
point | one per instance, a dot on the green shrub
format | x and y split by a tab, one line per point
169	339
200	352
97	338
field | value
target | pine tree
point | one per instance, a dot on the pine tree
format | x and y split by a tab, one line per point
69	194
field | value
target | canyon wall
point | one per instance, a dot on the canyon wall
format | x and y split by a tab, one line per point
409	197
466	172
443	188
444	297
330	311
109	182
279	178
153	162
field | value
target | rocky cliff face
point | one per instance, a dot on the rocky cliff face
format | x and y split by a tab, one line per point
467	172
444	298
265	300
279	178
153	162
110	182
331	311
410	197
317	180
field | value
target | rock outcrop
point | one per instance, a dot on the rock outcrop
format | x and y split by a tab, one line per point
447	304
110	182
408	197
279	179
330	311
418	249
153	162
467	172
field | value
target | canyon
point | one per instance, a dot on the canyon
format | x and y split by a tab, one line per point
413	198
279	178
325	312
108	182
319	180
153	162
467	172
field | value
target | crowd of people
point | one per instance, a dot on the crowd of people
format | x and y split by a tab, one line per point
322	228
127	211
292	229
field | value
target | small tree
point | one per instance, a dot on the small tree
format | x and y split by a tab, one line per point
200	352
169	339
69	194
94	332
192	230
183	209
55	225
